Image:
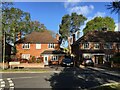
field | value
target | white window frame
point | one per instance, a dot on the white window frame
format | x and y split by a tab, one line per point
51	45
54	58
26	46
38	46
25	56
96	46
86	45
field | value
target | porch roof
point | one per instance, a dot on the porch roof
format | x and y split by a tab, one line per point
52	52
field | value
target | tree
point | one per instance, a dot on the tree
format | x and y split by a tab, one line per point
114	6
98	23
69	25
36	26
14	21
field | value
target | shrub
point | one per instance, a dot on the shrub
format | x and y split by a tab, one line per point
32	60
39	60
116	58
23	60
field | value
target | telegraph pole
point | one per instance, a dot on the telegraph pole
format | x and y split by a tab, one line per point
4	49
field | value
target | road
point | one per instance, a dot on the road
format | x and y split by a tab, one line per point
68	77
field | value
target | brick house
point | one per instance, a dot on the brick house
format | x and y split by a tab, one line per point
40	44
98	45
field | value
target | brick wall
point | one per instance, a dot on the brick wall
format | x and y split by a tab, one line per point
33	51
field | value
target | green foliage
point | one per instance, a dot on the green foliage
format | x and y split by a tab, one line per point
114	6
32	60
36	26
69	25
116	58
14	21
98	23
76	22
65	27
108	86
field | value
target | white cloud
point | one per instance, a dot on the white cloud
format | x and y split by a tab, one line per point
117	28
85	10
71	3
101	14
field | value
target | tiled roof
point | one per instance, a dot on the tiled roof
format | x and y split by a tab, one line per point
53	52
100	36
38	37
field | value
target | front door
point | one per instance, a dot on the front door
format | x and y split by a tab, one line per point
98	59
45	60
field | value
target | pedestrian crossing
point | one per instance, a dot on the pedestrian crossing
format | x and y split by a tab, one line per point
6	83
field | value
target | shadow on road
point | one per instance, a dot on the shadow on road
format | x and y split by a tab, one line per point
73	78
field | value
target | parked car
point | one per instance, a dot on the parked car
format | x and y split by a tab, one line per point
67	62
88	62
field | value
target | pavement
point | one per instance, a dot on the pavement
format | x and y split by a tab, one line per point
107	70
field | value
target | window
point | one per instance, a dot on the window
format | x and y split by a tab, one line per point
26	46
38	46
107	46
51	45
96	46
86	45
108	57
25	56
54	58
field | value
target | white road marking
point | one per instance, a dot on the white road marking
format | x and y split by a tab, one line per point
1	79
8	79
11	88
2	82
11	84
2	86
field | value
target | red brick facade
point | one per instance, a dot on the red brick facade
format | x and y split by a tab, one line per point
40	44
33	51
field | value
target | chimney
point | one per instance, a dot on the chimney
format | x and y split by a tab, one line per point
57	37
19	35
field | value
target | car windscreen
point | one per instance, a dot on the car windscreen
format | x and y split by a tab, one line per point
89	61
67	60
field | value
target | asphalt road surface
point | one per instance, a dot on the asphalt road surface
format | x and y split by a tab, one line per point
68	77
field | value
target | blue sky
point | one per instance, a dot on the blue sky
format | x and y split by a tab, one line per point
50	13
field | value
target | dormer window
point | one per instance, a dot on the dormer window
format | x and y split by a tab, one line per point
86	45
51	45
26	46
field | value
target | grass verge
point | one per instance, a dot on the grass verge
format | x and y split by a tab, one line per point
23	70
109	86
